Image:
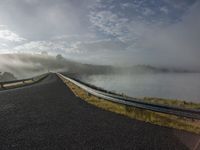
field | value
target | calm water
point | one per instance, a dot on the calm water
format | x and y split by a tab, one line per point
176	86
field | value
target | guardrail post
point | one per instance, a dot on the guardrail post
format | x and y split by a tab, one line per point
1	86
88	94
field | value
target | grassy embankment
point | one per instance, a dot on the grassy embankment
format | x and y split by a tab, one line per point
154	100
161	119
172	102
163	101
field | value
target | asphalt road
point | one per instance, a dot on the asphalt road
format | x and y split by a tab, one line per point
194	114
47	115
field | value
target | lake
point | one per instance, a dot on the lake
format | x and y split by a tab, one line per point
184	86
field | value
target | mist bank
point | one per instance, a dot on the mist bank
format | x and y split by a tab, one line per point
179	86
6	76
23	65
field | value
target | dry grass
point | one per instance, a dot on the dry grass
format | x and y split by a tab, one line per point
161	119
172	102
164	101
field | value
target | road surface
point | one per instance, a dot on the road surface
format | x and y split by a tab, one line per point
47	115
191	113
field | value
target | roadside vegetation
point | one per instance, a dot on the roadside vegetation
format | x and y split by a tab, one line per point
161	119
168	102
172	102
153	100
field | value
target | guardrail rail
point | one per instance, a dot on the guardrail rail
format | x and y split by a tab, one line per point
178	111
16	83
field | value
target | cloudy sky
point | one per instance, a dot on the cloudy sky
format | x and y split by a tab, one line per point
122	32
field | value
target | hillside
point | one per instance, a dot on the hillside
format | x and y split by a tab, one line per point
24	65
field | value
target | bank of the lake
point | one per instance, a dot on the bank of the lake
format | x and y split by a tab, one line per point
183	86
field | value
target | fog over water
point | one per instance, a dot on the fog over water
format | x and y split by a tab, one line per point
184	86
117	33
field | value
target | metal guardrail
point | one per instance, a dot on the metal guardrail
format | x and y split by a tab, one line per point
15	83
182	112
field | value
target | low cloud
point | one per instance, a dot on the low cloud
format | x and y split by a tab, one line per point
7	35
162	32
